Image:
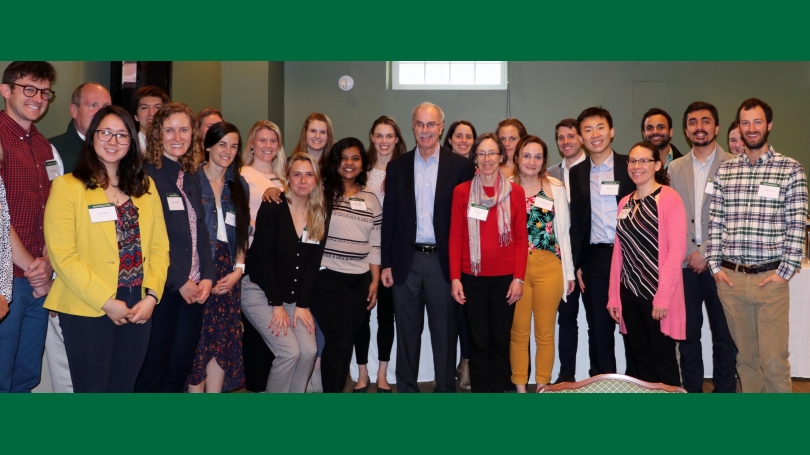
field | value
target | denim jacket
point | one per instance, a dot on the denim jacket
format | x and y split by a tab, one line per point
210	206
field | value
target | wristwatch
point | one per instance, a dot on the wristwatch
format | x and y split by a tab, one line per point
519	280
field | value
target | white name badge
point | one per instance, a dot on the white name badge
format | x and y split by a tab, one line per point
102	212
478	212
543	202
768	190
230	218
175	202
357	203
709	187
305	238
609	189
624	213
52	168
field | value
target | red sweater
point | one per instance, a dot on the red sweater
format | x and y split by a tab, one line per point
496	260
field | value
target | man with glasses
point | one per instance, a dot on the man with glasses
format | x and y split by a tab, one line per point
415	232
27	171
691	176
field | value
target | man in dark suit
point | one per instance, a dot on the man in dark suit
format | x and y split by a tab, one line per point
85	101
415	231
597	186
656	127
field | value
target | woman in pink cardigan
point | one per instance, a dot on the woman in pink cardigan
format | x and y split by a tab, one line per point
646	285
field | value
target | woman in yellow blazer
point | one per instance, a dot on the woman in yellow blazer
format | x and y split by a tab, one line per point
107	241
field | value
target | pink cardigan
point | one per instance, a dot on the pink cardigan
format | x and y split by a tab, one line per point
671	253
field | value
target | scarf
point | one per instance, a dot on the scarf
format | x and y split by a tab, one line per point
503	187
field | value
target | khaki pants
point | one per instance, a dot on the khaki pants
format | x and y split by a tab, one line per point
758	318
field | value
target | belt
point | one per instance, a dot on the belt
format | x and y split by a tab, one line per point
750	269
424	248
606	246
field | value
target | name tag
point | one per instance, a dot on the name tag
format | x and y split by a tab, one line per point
357	203
230	218
709	187
102	212
609	189
175	201
305	238
52	167
478	212
624	213
543	202
768	190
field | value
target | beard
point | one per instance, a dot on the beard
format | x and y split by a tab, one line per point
709	139
756	145
665	139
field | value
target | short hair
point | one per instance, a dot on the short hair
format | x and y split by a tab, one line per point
661	175
751	103
190	160
149	90
399	148
511	122
76	96
333	182
426	105
494	137
38	71
205	113
301	146
734	124
132	180
700	106
596	111
565	123
656	111
279	161
523	142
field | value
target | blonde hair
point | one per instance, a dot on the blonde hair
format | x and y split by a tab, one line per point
316	207
190	160
301	147
279	163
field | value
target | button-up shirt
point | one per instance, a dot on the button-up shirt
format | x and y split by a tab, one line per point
603	208
701	173
424	176
566	170
749	229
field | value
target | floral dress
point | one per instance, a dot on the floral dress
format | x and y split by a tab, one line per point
540	226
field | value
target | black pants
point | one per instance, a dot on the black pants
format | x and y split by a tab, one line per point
339	304
654	352
385	328
568	336
257	356
102	356
489	319
464	335
601	327
176	327
699	288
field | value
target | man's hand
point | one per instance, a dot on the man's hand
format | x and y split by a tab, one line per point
39	272
581	283
772	279
696	262
387	277
721	277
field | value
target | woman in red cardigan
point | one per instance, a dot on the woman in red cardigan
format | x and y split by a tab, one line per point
646	285
488	262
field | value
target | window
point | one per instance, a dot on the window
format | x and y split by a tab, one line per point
408	75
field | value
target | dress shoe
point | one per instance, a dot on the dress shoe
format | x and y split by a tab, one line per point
561	379
361	390
463	372
381	390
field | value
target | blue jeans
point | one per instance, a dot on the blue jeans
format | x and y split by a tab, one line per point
22	339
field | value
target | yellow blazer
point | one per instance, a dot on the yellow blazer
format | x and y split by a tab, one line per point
84	254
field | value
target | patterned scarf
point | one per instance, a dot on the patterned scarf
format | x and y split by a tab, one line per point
503	187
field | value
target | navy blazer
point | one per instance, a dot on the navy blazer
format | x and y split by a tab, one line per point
399	210
178	227
579	178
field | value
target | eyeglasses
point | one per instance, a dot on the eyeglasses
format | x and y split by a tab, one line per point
106	136
429	125
483	155
641	161
31	91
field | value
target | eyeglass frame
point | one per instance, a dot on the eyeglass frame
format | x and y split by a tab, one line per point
117	136
420	125
642	161
41	91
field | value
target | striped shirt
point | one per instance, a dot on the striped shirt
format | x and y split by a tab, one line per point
638	232
353	241
749	228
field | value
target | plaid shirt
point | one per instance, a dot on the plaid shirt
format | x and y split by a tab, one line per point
749	229
27	184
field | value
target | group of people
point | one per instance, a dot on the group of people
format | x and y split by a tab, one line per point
155	251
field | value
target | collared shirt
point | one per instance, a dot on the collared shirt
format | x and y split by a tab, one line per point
750	229
670	157
701	173
425	174
142	141
27	184
566	170
603	208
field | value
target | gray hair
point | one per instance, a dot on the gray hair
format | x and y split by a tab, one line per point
425	105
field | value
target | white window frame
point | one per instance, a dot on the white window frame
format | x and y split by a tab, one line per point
395	85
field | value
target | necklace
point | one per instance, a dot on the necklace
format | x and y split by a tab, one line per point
115	196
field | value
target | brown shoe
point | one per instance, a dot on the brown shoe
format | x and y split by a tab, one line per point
463	372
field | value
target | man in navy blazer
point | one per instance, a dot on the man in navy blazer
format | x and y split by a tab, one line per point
415	259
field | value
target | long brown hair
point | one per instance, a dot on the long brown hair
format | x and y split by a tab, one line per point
399	148
190	160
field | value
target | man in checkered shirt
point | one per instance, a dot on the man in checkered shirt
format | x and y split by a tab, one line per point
756	236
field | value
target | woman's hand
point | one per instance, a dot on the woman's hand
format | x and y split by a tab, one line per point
614	313
280	321
305	316
227	282
142	310
118	311
457	291
571	285
204	289
515	292
272	194
372	294
659	313
189	292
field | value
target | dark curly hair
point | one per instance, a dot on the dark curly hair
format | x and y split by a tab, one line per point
333	182
661	175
